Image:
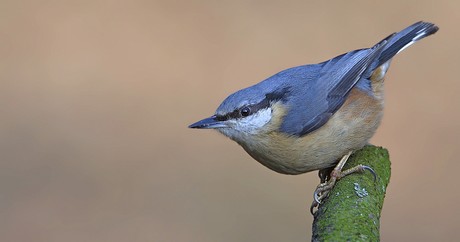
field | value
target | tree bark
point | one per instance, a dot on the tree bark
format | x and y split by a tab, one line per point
352	210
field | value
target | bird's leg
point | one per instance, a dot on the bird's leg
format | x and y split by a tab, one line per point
325	186
323	189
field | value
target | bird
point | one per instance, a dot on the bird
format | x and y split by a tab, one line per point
313	117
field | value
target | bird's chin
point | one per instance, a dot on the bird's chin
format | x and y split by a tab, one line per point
230	132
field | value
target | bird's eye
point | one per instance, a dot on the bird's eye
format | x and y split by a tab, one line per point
246	111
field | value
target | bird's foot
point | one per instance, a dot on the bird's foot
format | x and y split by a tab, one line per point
323	189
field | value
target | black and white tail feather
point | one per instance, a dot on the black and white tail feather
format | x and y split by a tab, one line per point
399	41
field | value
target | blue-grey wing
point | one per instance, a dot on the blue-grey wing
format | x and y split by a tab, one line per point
310	108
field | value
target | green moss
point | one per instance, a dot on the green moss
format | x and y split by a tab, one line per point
352	210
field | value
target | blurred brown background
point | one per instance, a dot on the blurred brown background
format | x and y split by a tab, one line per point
96	96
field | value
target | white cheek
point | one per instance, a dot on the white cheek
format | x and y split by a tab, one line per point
254	122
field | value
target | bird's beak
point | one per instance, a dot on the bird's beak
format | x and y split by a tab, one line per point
209	123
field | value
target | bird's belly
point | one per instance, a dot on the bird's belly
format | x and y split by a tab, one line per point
349	129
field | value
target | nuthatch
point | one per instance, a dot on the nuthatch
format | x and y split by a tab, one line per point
308	117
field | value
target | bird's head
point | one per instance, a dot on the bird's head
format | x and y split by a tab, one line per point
245	112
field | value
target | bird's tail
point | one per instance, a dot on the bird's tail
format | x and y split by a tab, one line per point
399	41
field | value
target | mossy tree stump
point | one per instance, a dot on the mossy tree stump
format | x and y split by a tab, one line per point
352	210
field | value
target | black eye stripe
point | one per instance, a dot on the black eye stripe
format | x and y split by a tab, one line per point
254	108
221	117
236	114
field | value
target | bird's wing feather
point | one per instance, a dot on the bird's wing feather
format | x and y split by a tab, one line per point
312	107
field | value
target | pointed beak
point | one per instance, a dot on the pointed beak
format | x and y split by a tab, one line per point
209	123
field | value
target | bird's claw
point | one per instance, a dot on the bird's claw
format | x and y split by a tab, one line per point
370	170
323	189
